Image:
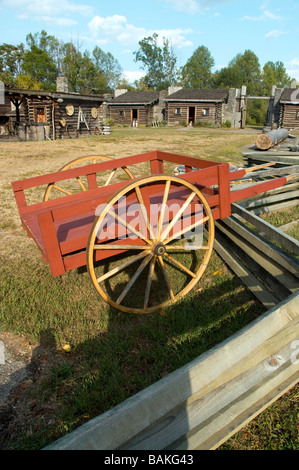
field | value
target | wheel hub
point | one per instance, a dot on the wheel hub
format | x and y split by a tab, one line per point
159	249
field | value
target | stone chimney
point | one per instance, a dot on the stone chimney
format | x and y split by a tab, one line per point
62	85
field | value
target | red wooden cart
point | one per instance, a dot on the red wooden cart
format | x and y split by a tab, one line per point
138	260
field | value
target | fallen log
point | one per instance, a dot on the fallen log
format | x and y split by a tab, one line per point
266	141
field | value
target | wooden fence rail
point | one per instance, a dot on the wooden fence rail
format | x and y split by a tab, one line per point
202	404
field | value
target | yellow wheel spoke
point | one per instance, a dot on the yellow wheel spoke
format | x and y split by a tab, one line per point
166	277
134	278
163	207
110	177
120	268
186	247
127	225
62	190
149	282
180	265
186	229
144	212
177	216
81	184
120	247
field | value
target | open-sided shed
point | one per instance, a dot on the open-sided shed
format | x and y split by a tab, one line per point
37	114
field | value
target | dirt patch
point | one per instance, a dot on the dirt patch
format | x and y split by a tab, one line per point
24	365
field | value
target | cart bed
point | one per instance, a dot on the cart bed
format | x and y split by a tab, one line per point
61	227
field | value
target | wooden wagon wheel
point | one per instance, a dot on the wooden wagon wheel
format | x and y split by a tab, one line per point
158	251
87	160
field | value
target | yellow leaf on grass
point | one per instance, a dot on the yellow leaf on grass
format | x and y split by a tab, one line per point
218	273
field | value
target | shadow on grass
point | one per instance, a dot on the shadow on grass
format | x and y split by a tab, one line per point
119	355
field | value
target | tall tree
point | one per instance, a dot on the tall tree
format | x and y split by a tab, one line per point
243	69
38	61
11	58
197	72
274	74
108	70
158	62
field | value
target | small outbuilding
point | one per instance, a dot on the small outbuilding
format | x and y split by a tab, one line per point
136	108
289	108
196	105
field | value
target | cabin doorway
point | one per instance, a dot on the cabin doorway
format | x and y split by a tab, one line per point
40	115
135	117
191	115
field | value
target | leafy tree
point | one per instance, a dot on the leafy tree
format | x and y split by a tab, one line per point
70	65
244	69
27	82
108	70
197	72
159	62
38	61
10	62
274	74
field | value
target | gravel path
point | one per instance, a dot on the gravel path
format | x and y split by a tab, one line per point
15	356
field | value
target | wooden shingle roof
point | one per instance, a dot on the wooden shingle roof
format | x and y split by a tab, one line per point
199	94
136	97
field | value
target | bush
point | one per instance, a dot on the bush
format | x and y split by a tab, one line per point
109	122
227	123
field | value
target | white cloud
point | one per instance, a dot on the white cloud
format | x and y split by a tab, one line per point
267	15
51	20
131	76
275	33
57	12
194	6
116	29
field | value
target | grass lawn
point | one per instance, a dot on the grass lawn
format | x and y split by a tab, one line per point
111	355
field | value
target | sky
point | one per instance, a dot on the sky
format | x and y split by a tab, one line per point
269	28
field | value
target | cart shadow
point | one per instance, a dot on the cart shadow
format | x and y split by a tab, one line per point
135	352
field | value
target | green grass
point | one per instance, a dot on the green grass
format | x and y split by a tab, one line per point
113	355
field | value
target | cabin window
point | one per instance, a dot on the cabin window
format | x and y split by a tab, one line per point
206	112
297	114
121	114
177	111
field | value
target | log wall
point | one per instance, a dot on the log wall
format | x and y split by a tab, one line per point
289	116
123	114
214	115
67	126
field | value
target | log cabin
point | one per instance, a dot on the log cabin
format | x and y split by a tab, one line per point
194	105
136	108
39	114
289	108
